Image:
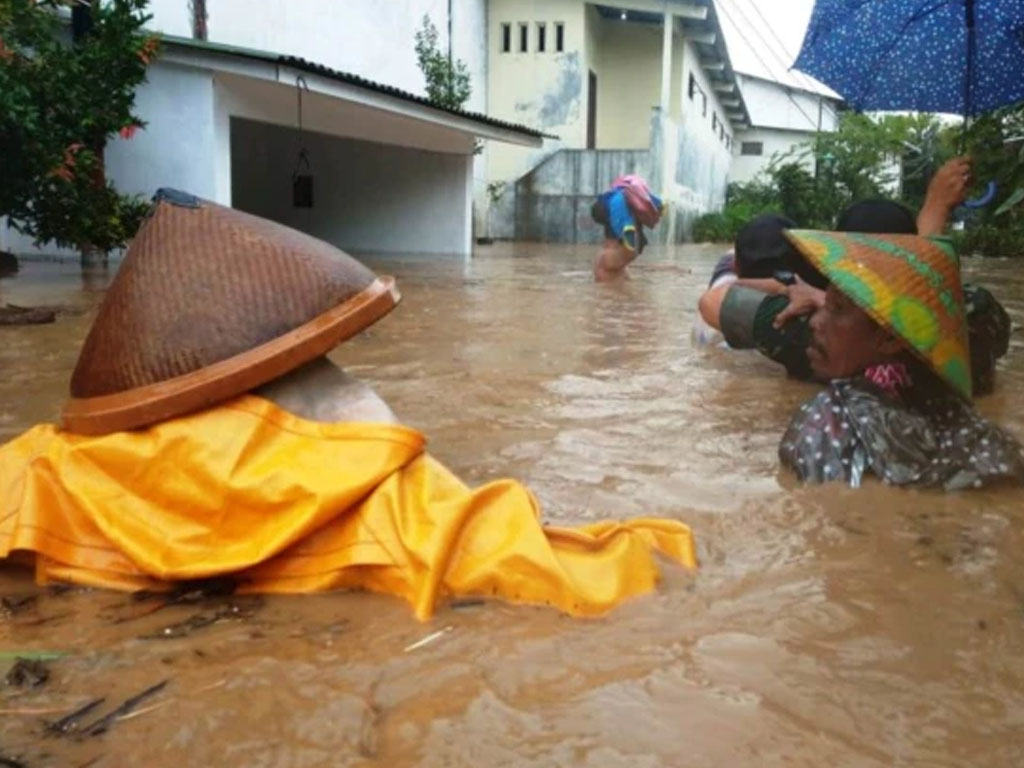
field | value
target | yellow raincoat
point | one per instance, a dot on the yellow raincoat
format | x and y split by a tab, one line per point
289	505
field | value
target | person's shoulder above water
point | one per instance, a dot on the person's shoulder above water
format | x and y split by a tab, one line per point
899	403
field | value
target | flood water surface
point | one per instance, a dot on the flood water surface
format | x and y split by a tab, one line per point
826	626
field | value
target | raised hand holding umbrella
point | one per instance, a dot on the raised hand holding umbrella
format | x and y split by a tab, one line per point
955	56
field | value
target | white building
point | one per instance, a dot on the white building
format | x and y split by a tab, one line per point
391	172
637	86
567	94
785	115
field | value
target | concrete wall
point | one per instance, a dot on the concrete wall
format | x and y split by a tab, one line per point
552	202
685	155
177	144
793	144
371	38
694	158
543	90
368	197
629	83
190	143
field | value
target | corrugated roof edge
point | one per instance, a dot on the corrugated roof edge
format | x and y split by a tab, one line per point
346	77
713	24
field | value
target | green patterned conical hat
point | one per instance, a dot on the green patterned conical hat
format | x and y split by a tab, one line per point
907	284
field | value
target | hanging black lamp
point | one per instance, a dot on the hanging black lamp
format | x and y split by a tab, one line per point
302	176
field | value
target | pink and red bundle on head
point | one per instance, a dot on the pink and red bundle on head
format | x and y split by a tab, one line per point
644	204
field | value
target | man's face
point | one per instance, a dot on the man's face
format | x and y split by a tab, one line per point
845	340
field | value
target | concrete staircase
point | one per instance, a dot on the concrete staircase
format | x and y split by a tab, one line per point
552	202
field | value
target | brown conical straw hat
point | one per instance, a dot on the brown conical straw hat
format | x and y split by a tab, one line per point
210	303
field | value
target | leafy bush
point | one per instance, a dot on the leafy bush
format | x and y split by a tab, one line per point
59	103
856	161
744	201
713	228
448	82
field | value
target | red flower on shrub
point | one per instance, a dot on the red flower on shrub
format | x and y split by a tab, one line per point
148	50
64	170
128	131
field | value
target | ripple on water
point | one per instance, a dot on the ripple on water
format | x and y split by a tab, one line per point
825	627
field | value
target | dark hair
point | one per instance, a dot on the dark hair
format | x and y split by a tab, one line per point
877	217
762	248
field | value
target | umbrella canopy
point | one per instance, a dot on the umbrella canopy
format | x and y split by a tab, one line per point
958	56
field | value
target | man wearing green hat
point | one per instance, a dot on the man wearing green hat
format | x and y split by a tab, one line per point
775	321
891	337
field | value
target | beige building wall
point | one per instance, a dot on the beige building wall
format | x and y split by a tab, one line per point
545	90
629	82
549	90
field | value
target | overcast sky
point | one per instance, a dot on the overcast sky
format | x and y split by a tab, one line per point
764	36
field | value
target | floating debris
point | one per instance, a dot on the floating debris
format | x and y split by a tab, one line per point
14	315
67	723
27	673
191	592
428	639
41	620
469	602
104	723
12	605
184	593
235	610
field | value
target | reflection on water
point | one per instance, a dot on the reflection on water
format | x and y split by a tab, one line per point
826	626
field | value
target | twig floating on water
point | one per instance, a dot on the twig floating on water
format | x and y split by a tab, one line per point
65	724
101	725
143	711
211	687
236	609
428	639
38	622
469	602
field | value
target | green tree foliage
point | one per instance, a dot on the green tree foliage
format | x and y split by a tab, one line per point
59	103
447	81
858	160
996	142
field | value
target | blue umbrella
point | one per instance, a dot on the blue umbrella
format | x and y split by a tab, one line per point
963	57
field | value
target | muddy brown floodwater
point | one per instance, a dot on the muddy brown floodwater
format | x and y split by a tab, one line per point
826	626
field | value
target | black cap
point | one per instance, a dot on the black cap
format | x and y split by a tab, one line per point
877	217
762	248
